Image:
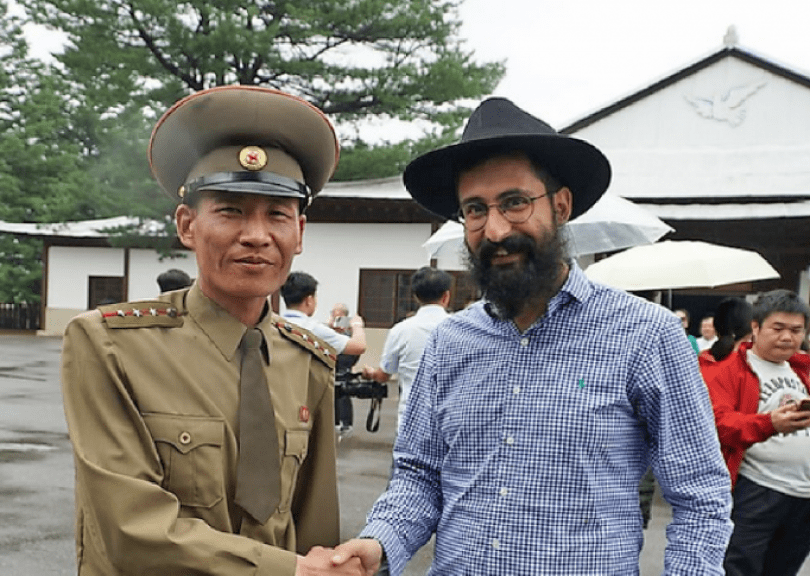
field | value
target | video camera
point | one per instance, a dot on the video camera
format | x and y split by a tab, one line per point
352	384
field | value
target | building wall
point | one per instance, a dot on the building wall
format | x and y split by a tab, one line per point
69	270
146	265
675	144
333	253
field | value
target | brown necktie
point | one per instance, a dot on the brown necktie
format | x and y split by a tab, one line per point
258	474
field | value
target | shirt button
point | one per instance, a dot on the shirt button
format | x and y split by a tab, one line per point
524	342
510	440
185	438
504	491
496	543
516	389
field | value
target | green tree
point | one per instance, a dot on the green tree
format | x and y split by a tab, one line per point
354	59
43	173
74	134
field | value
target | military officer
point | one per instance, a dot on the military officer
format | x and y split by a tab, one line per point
171	472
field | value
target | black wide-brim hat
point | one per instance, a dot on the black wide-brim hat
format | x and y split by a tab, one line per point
498	126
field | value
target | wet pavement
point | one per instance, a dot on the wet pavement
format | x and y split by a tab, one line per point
36	469
36	465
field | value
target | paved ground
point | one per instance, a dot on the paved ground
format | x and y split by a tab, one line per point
36	469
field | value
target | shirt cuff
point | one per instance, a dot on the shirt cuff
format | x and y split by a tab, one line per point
393	550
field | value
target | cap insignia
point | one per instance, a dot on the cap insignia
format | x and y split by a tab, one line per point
253	158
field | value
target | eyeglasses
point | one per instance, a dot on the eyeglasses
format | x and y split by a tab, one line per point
516	209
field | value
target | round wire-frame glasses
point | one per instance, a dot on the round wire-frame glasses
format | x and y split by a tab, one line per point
516	209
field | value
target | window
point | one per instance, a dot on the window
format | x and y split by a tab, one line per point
105	290
386	297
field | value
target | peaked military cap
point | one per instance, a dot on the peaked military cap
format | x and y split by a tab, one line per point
244	139
498	126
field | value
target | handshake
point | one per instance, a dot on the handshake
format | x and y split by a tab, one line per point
358	557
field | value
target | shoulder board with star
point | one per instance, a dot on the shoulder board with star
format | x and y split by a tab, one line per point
145	314
304	338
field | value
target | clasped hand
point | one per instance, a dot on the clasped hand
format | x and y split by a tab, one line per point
359	557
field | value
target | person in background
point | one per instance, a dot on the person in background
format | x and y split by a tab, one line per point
732	321
173	279
339	318
201	422
340	322
300	297
406	340
708	335
683	314
535	412
765	438
300	294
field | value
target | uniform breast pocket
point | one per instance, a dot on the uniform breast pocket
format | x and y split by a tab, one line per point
296	444
190	449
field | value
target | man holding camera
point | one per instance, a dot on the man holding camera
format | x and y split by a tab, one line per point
300	293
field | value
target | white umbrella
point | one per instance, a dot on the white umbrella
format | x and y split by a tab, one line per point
611	224
680	264
447	240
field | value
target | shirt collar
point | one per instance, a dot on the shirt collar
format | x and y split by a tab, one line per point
426	309
290	313
222	328
577	287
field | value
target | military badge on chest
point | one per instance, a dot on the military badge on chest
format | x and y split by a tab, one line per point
303	415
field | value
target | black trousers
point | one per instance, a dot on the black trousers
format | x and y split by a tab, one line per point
771	532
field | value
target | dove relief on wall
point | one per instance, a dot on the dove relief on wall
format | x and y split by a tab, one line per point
725	107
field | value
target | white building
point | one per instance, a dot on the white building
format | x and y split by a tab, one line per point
718	149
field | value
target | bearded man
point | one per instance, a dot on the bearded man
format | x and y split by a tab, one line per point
536	411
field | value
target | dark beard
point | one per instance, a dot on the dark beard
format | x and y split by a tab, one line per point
510	288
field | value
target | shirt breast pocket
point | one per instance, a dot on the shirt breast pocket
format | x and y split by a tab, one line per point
190	449
296	446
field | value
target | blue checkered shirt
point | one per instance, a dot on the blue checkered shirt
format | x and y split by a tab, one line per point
523	452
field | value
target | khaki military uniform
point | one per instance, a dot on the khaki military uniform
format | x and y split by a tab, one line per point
151	392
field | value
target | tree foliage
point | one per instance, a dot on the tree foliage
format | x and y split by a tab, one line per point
43	173
354	59
73	134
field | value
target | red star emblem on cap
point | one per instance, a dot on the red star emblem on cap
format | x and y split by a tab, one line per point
253	158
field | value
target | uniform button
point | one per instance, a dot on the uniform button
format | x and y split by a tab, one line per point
496	543
516	389
524	342
510	440
185	438
504	491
